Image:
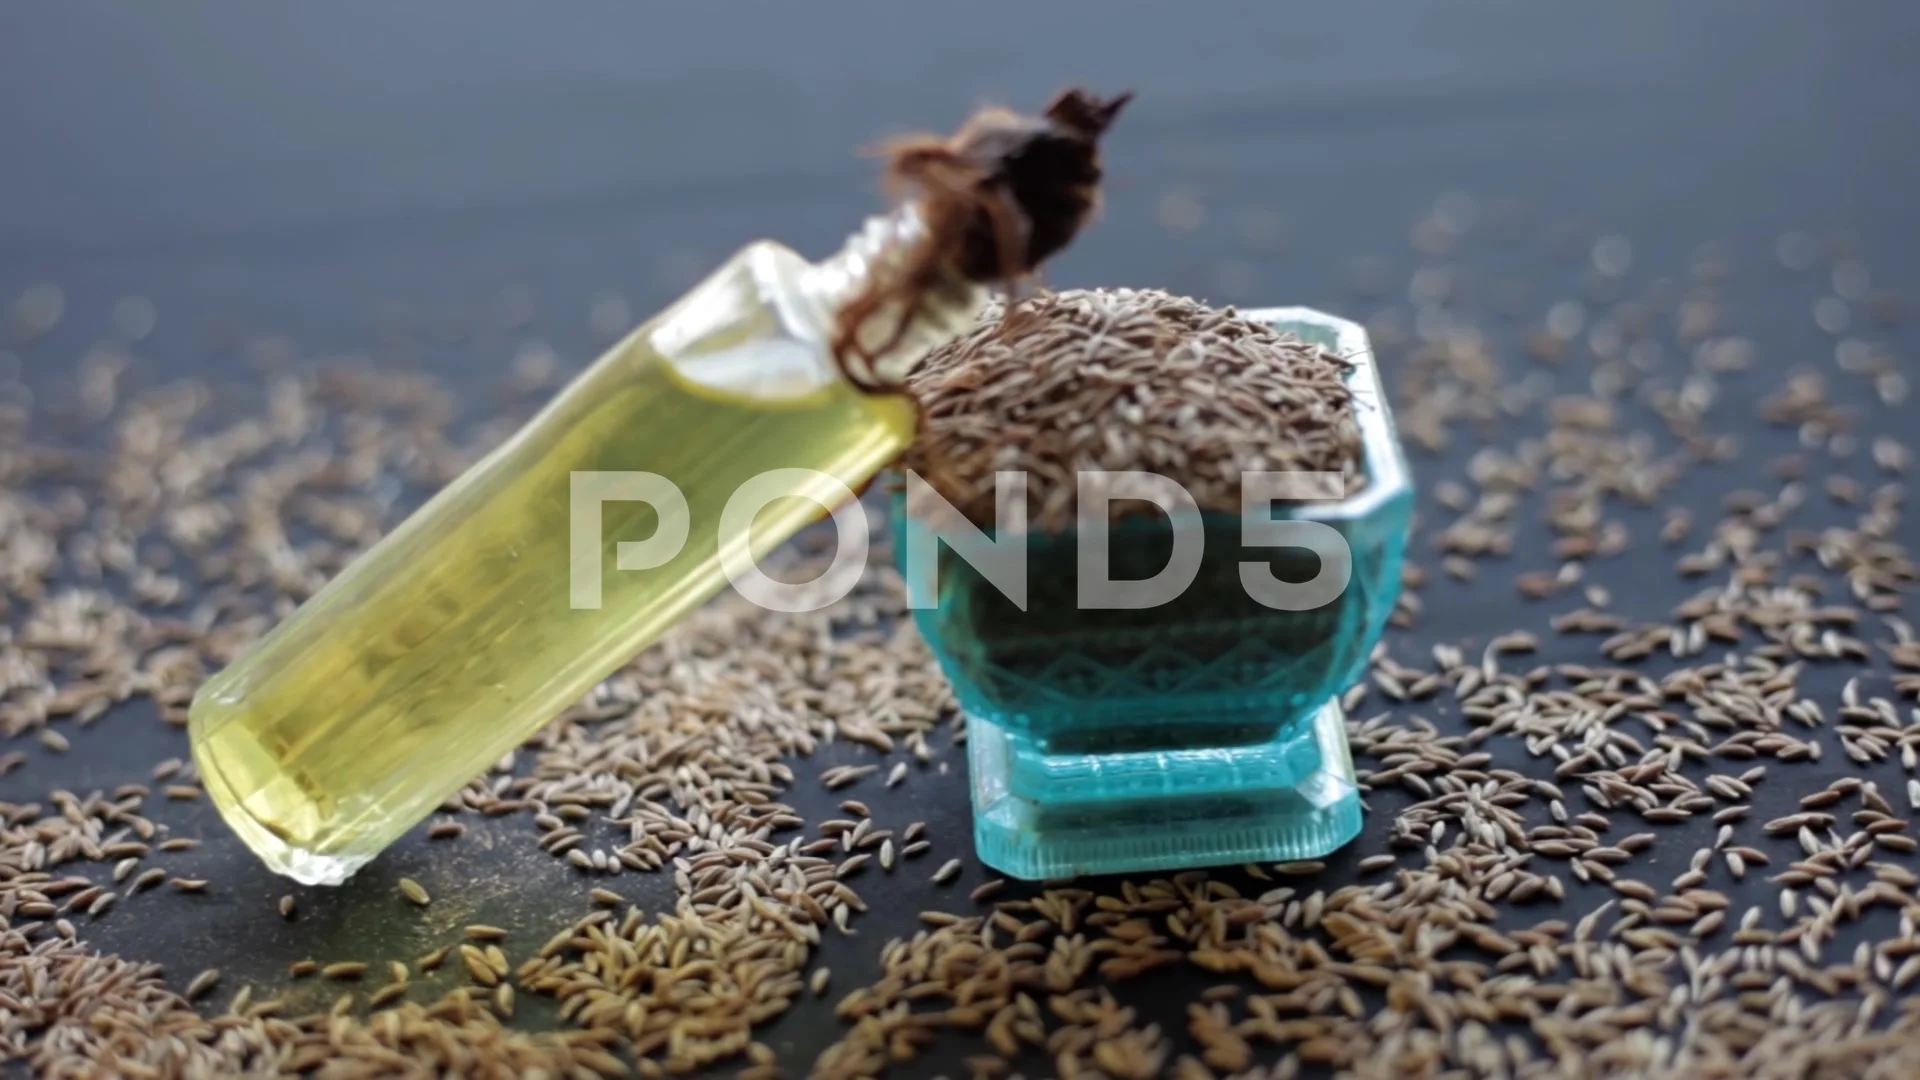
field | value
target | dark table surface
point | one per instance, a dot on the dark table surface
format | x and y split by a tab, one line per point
358	177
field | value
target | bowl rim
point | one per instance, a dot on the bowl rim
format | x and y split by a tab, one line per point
1385	459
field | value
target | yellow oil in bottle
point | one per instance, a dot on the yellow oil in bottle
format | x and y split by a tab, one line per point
456	636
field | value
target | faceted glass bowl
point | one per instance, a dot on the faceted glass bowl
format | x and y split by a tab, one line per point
1182	734
1214	656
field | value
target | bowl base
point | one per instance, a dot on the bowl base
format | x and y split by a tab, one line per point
1294	797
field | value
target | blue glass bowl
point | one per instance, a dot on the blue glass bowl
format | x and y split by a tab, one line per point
1201	731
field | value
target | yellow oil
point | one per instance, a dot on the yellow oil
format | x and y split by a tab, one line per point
456	637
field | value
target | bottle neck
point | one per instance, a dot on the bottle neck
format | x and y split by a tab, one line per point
875	258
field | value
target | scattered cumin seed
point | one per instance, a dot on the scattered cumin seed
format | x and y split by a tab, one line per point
987	889
387	995
479	970
202	983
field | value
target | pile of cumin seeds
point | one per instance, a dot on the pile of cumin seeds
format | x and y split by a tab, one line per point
1124	380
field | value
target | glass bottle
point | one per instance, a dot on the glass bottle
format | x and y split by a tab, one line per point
474	623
